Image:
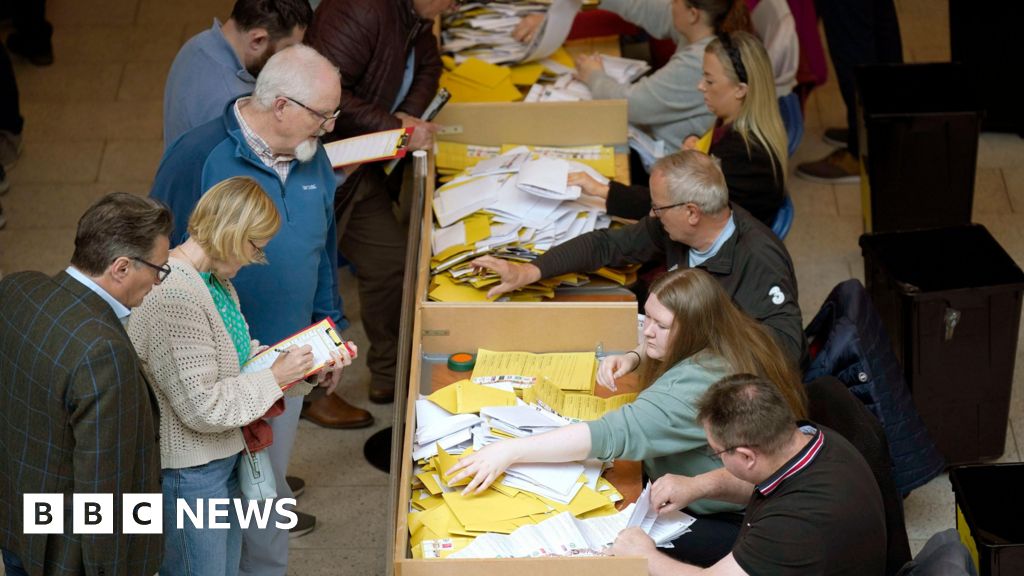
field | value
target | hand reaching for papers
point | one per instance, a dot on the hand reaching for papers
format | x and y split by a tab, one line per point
527	28
691	142
588	184
587	65
614	367
673	492
292	364
484	466
423	133
330	376
513	276
633	542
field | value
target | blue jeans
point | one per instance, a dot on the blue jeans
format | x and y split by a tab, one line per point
13	565
201	552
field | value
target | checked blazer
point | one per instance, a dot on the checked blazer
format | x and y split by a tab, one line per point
76	416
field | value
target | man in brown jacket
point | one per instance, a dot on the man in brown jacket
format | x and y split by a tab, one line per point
390	69
76	413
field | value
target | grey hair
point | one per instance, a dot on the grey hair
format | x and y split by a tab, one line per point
290	72
693	176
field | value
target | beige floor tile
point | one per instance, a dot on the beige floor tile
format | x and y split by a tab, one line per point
76	13
58	161
143	81
117	43
48	206
930	508
1013	177
811	199
349	517
131	160
44	250
317	447
73	121
848	199
990	192
997	150
1011	450
336	562
162	12
69	82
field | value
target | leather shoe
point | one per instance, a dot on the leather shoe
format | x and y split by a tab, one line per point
330	411
382	395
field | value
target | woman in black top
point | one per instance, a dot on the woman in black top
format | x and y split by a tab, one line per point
748	138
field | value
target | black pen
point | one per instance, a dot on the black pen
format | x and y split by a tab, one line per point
282	351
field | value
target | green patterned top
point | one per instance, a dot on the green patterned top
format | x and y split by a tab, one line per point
230	315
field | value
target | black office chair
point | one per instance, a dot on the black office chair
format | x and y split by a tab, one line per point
831	404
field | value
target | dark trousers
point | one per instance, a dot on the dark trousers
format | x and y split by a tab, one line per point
710	539
859	32
29	19
372	239
13	565
10	111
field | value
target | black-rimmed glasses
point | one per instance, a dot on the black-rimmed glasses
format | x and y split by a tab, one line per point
657	210
327	118
711	453
162	272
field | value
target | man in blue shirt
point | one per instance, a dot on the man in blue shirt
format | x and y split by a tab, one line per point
218	65
273	137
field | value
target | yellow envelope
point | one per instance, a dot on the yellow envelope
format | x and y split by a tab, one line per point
415	522
445	289
704	144
485	74
441	521
606	510
421	535
491	506
445	461
563	58
427	503
498	527
464	90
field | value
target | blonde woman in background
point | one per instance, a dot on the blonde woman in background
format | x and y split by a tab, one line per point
193	340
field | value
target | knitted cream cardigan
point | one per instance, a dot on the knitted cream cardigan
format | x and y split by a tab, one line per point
192	366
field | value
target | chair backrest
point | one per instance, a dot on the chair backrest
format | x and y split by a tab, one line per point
784	218
831	404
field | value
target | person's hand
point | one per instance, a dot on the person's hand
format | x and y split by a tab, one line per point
588	184
423	132
330	376
691	142
527	28
673	492
484	466
587	65
614	367
633	542
513	276
260	348
292	364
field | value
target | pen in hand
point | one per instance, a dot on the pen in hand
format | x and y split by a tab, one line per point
282	350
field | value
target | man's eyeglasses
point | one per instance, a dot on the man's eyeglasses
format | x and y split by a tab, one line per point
718	455
657	210
327	118
258	254
162	272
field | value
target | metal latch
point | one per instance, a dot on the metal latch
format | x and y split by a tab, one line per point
952	319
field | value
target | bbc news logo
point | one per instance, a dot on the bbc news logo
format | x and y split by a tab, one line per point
143	513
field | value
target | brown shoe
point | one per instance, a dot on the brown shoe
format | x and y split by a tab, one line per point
839	167
330	411
382	395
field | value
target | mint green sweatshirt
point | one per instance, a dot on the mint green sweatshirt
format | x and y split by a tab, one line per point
660	427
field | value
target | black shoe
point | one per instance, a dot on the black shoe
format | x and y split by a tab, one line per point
36	52
298	485
305	525
837	137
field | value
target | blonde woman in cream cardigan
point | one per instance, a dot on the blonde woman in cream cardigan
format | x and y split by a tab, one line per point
192	339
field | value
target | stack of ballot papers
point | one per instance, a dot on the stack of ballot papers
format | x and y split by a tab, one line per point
565	535
465	416
515	204
484	30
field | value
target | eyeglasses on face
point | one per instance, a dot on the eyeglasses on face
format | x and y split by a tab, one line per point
162	272
657	210
718	455
327	118
258	254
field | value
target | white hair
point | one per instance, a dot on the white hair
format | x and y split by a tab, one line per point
291	72
693	176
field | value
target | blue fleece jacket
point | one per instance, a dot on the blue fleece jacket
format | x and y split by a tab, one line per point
299	286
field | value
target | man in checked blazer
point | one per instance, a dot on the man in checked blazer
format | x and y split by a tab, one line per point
76	413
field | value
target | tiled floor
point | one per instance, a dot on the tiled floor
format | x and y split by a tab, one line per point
93	126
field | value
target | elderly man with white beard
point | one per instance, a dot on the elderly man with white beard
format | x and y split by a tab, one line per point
273	136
